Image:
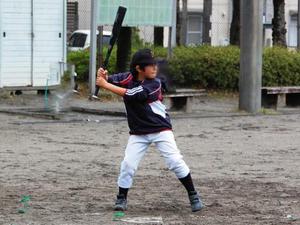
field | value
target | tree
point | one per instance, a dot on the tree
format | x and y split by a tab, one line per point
158	36
279	24
124	49
235	23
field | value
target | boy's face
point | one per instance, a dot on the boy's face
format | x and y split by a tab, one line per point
149	71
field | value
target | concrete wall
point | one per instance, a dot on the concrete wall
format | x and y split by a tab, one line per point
221	19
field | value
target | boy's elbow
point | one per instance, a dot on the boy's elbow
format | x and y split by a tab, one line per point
135	98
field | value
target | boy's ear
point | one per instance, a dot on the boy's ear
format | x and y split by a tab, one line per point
138	68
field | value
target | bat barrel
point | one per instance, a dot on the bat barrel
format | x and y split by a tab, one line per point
115	33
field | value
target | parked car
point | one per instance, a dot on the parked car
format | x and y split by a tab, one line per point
80	39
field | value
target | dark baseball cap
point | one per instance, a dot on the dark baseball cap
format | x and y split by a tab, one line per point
143	57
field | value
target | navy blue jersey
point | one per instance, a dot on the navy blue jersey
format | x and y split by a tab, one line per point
145	112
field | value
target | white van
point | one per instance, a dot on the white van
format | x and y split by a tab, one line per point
80	39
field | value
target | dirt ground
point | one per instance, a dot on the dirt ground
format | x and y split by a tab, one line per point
245	167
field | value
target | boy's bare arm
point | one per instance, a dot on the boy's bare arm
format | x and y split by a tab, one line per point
101	82
115	89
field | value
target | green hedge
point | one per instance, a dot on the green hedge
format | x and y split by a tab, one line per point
281	67
81	61
213	67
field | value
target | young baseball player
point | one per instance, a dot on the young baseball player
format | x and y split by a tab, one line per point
148	123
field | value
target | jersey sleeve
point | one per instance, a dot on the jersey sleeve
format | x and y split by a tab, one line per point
148	91
120	79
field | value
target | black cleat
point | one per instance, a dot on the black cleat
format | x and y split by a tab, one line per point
195	201
121	203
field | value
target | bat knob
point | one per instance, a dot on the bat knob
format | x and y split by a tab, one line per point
75	91
94	97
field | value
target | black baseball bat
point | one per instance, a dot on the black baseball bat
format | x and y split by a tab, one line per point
114	36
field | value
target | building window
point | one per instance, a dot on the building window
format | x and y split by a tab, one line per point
194	30
292	31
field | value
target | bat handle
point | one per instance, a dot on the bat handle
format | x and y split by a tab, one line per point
95	95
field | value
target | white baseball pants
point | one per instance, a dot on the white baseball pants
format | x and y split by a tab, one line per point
136	149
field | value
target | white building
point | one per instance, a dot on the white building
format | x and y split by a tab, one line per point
291	14
32	43
222	16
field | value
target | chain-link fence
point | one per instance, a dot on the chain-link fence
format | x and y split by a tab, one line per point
220	20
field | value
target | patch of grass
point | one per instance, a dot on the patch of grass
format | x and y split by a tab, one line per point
265	111
222	94
5	95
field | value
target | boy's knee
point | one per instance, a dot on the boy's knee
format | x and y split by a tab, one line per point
128	168
179	167
126	174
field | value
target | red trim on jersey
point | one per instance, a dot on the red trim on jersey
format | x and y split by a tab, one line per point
158	131
127	80
160	96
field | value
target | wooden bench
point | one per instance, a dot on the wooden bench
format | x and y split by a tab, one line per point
182	99
270	96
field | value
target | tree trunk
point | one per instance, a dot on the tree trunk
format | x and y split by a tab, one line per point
184	18
207	11
178	23
235	23
124	49
279	29
158	36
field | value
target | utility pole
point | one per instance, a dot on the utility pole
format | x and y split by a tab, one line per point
298	27
251	55
184	18
93	47
207	11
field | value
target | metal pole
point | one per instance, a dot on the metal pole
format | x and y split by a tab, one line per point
251	55
71	69
93	47
174	24
298	27
32	44
172	31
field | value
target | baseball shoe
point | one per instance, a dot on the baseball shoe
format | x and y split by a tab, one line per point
121	203
195	201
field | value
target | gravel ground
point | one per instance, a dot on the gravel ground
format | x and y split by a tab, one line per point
246	167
